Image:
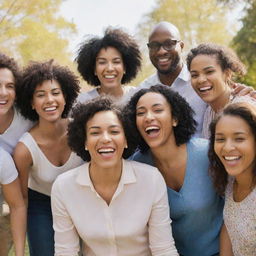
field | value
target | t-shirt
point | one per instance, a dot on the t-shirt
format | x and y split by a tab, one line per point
8	172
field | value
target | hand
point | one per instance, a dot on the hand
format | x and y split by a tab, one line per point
242	90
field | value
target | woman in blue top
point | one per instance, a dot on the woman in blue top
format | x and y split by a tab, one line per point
163	125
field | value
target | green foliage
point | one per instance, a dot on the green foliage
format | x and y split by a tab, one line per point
245	44
33	30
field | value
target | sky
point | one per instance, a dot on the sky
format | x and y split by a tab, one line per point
93	16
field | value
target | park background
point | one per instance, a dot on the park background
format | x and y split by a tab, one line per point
45	29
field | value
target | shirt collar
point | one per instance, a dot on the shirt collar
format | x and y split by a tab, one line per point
128	176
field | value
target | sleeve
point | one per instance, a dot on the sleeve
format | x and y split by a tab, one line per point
8	172
66	237
161	241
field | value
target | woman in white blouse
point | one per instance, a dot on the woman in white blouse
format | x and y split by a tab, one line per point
117	207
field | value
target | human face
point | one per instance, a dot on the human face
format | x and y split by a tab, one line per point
7	91
48	100
208	79
105	140
235	145
166	62
154	120
109	68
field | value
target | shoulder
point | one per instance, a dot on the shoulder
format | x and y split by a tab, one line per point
245	98
148	82
198	146
86	96
145	157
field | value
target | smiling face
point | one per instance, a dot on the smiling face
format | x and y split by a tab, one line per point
154	120
109	68
105	140
235	145
7	91
165	61
48	101
208	79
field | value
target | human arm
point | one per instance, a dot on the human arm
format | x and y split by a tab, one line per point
242	90
225	243
65	236
13	197
23	161
161	241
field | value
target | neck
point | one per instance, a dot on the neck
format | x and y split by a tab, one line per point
6	120
168	79
116	91
244	181
219	103
52	129
105	176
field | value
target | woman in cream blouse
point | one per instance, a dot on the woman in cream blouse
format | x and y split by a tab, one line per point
117	207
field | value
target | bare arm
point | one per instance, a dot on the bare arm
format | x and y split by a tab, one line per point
23	161
13	196
225	243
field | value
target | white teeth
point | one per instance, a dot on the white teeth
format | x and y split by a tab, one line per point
163	60
230	158
50	109
3	102
151	128
202	89
106	150
110	77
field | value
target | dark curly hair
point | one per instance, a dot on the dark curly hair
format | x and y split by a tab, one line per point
11	64
38	72
180	110
82	113
225	57
245	111
117	38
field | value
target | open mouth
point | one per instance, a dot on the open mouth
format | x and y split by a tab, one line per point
231	158
109	76
152	130
205	89
3	102
49	109
106	151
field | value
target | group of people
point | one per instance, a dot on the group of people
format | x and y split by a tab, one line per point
163	168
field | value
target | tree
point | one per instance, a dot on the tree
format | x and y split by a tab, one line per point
33	30
245	43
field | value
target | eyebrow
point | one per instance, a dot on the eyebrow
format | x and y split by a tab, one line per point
203	68
236	133
98	127
154	105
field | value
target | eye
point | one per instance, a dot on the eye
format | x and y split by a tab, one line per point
10	86
115	132
239	139
39	95
140	113
219	139
194	75
159	110
210	71
56	93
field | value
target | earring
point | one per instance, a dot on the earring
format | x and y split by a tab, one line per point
124	72
86	149
126	146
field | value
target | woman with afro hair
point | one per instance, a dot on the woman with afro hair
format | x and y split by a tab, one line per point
45	96
108	63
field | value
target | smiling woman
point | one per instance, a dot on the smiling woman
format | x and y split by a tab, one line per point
45	95
106	189
108	63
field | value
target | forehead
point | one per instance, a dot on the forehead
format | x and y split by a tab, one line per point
48	84
204	60
162	33
6	75
232	124
108	51
150	99
104	118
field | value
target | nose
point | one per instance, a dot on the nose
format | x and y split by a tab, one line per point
106	137
50	97
149	116
201	78
3	90
161	50
110	66
228	145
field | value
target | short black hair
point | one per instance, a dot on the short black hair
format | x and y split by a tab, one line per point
11	64
225	56
122	42
82	113
245	111
38	72
180	110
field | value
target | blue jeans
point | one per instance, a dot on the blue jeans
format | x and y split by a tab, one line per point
40	230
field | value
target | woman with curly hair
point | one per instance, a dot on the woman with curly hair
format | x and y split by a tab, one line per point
45	96
120	206
108	63
162	123
212	68
232	164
